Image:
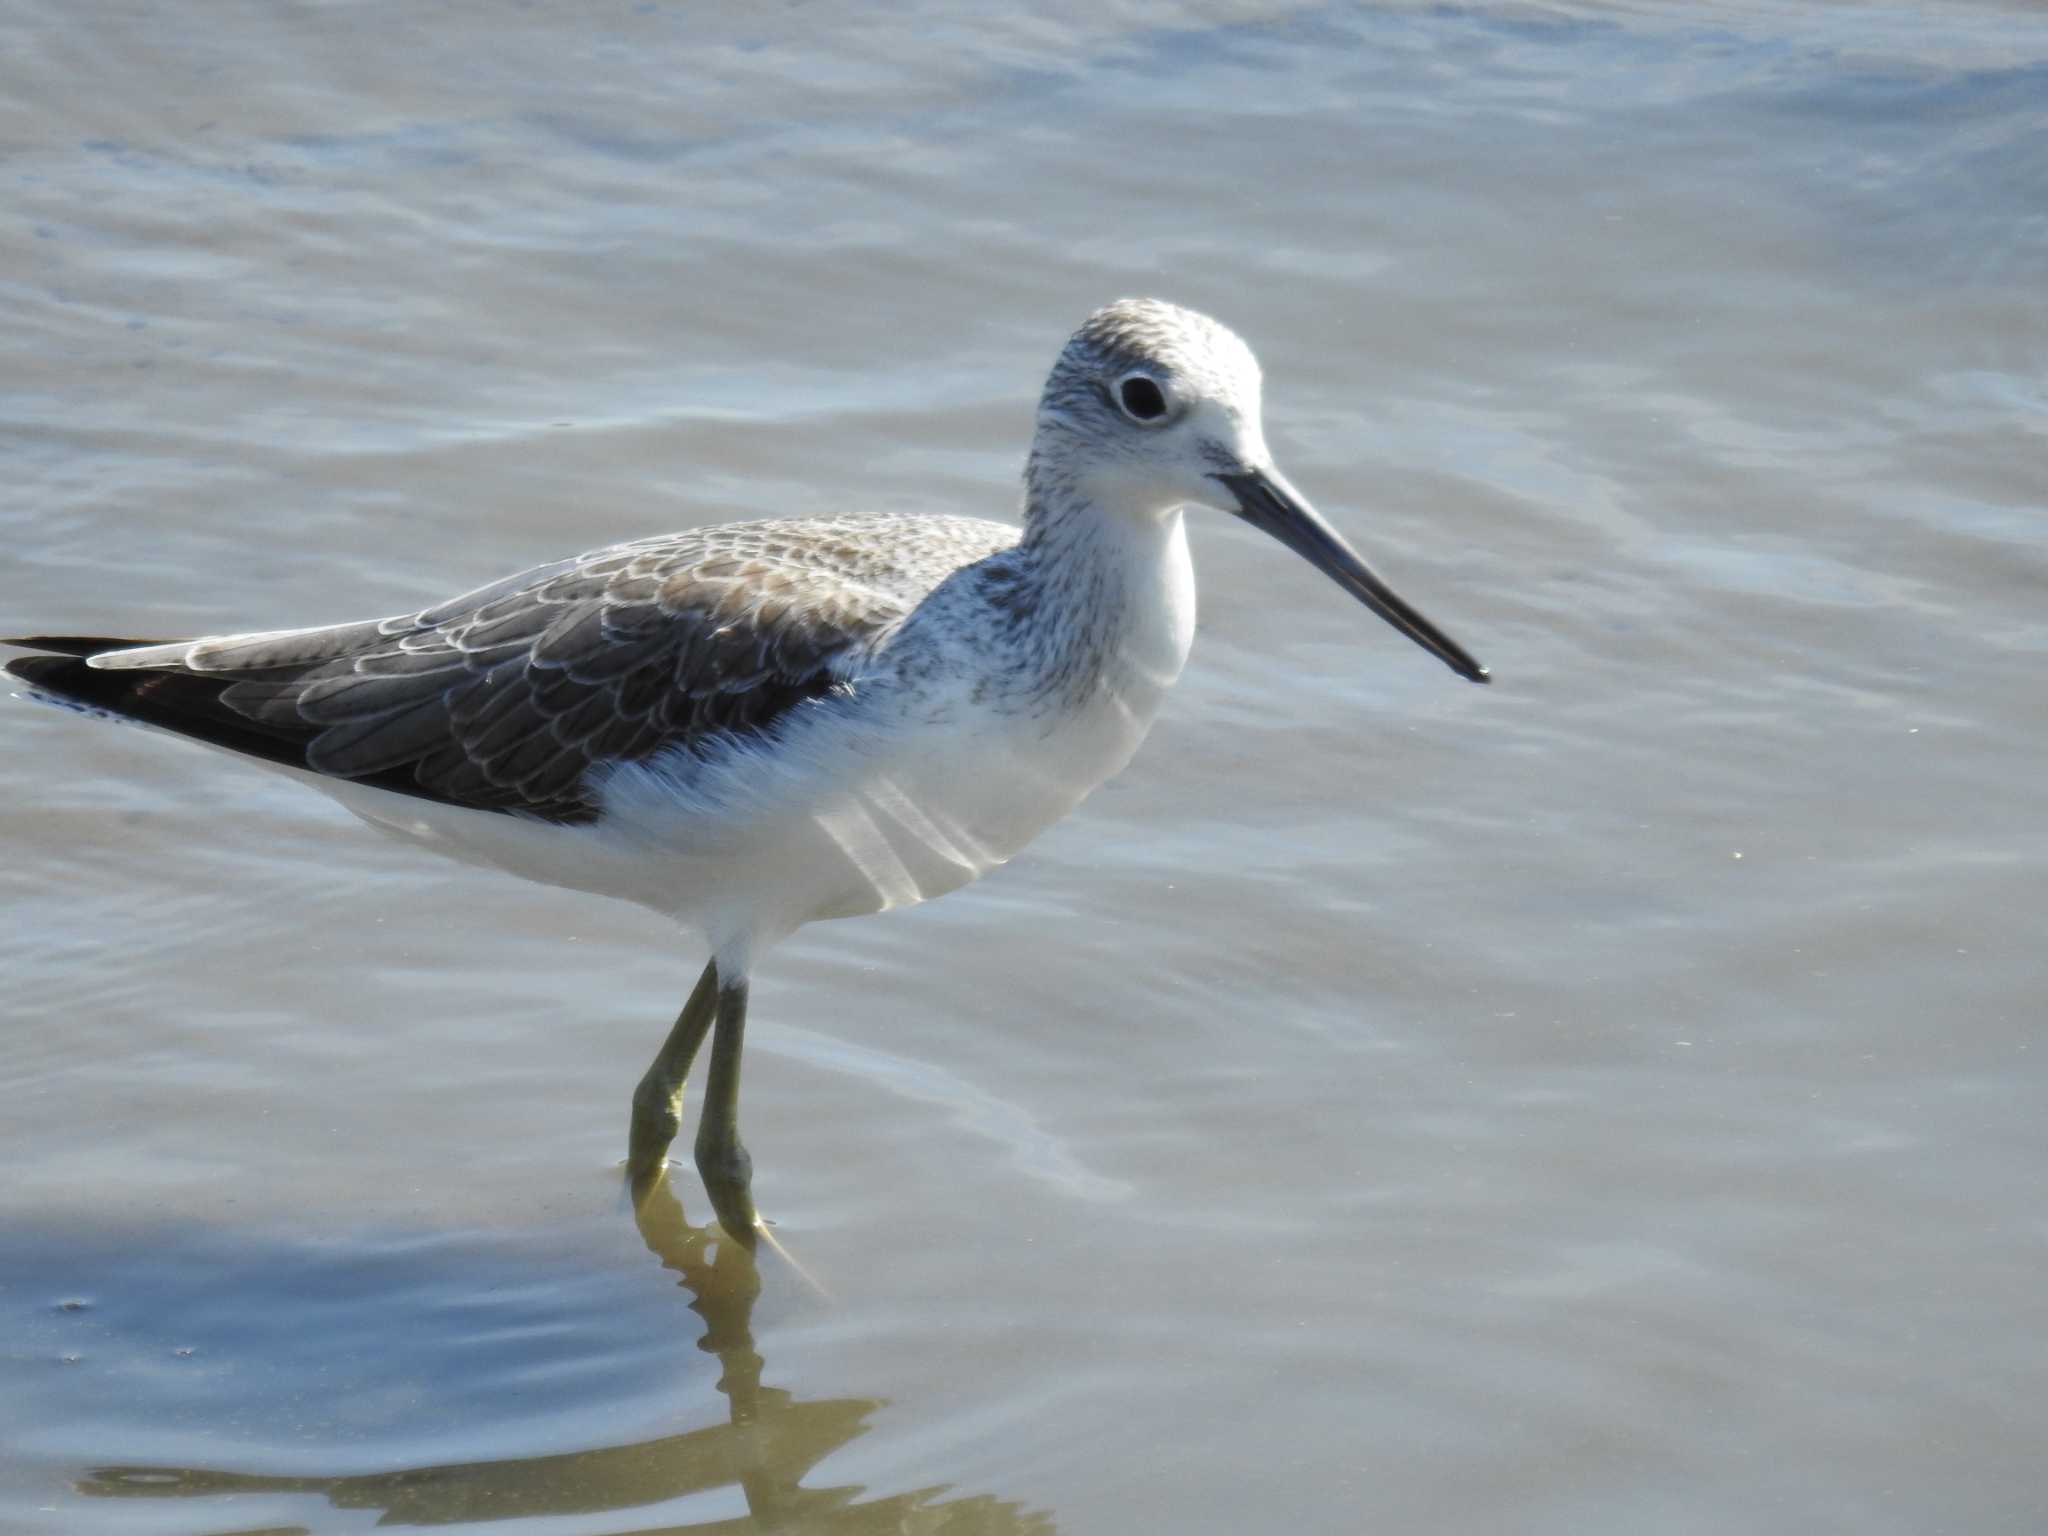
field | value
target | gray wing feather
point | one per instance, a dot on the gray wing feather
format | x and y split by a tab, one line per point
506	697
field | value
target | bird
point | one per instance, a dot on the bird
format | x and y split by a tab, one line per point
753	726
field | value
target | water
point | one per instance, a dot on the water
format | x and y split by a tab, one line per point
1605	1102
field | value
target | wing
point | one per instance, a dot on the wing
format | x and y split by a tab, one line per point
505	698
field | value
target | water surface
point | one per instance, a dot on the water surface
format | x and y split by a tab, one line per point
1610	1101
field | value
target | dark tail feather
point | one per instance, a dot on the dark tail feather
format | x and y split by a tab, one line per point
185	702
177	701
75	645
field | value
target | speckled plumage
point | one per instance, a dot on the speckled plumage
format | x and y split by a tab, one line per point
504	699
760	725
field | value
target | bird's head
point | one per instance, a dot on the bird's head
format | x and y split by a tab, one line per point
1152	407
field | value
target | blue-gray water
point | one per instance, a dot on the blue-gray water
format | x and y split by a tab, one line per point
1607	1102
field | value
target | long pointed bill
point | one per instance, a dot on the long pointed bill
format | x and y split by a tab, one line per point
1268	502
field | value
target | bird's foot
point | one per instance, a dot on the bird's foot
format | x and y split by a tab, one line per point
657	1118
728	1175
643	1177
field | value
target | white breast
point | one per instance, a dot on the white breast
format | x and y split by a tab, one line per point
887	800
950	806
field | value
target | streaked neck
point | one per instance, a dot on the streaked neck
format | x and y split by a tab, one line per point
1110	590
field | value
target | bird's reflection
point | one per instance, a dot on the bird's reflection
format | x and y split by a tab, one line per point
769	1443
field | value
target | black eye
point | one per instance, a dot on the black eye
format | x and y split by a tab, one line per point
1142	399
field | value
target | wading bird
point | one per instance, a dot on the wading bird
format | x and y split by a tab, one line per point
754	726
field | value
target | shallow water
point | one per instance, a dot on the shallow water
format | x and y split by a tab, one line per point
1605	1102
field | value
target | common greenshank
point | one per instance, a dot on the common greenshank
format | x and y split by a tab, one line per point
754	726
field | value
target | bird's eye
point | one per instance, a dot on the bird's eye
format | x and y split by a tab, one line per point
1141	398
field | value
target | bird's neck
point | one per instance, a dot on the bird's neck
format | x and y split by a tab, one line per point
1071	519
1110	589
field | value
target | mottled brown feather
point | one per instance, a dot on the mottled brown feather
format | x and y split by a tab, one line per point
504	699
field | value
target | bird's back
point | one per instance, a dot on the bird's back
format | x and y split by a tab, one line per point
507	697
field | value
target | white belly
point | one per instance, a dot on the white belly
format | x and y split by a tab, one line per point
842	818
936	816
835	818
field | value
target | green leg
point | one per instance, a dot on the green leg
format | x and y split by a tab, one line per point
722	1162
658	1101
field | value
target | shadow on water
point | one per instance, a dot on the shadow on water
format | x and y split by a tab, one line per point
768	1445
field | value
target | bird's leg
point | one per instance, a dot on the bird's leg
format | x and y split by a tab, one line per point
658	1101
722	1162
